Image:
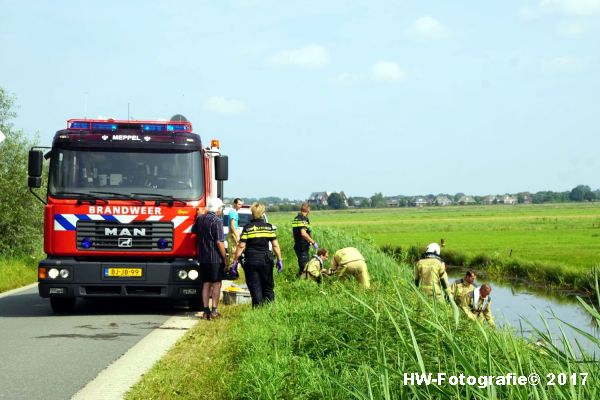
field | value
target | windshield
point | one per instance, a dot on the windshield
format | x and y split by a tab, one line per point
177	174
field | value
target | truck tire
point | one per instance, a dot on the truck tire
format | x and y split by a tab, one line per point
195	304
62	305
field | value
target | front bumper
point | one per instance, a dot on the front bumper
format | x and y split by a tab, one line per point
90	279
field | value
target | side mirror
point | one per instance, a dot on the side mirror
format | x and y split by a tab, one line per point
34	168
221	168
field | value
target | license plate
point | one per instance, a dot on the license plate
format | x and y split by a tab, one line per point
123	272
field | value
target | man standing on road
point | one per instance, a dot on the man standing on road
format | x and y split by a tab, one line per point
302	238
460	287
211	255
233	236
430	274
477	305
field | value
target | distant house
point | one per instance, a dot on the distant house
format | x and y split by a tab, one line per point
419	201
491	199
507	199
442	201
318	199
466	200
527	199
344	198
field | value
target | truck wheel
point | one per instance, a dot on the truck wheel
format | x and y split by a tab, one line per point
62	305
195	304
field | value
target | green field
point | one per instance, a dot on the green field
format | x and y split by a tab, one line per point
557	234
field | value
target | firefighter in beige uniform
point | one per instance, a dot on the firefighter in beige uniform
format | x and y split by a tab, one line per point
313	269
430	274
460	287
349	261
477	305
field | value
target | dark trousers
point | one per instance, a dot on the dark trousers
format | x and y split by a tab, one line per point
259	278
302	255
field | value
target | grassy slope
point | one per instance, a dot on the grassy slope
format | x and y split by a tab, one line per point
16	272
338	341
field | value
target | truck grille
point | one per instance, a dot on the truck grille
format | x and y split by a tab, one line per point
136	236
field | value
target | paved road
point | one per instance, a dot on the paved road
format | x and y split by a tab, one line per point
48	356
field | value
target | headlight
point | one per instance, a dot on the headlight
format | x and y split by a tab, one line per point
182	274
193	274
64	273
53	273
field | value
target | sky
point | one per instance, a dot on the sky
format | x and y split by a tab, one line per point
398	97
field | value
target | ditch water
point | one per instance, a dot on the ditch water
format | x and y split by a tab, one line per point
514	304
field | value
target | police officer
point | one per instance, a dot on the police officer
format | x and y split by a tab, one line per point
258	264
477	305
462	286
349	261
313	269
430	274
302	238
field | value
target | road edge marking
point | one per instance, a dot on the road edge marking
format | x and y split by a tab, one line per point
116	379
17	290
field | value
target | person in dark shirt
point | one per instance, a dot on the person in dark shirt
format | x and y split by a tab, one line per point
211	255
258	264
302	236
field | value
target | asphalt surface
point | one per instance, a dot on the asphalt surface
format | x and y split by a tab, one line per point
49	356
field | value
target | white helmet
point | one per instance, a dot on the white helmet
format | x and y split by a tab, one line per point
433	248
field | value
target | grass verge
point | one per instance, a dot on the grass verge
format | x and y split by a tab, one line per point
17	272
337	341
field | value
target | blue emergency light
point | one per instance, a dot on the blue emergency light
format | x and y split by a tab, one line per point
101	126
144	126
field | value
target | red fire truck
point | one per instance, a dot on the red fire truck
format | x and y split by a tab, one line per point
121	203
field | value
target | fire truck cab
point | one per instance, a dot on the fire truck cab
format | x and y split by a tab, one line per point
122	199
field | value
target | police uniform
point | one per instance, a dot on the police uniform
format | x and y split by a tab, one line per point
430	276
349	261
460	287
312	269
301	246
259	260
477	308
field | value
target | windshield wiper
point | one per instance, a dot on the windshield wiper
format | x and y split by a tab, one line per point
162	198
120	196
82	197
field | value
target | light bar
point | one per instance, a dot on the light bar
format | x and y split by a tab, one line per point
114	125
102	126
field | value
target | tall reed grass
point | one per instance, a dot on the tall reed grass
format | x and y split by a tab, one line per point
337	341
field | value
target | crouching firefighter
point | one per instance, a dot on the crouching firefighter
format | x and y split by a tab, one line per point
477	305
313	269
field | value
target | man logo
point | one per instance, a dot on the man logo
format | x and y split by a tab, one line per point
125	242
124	232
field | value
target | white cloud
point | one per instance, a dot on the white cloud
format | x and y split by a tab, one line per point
429	28
312	56
221	105
571	29
387	71
555	64
571	7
